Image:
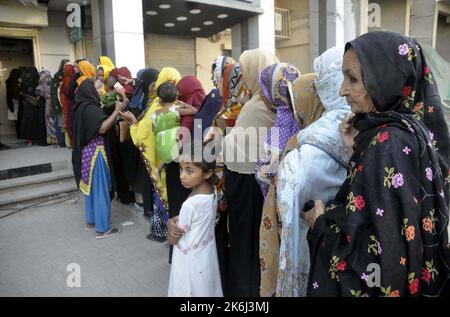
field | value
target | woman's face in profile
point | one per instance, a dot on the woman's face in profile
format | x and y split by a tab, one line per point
353	88
100	74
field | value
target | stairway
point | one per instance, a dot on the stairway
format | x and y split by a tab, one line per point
34	173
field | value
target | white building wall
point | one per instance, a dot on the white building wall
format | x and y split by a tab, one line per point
54	44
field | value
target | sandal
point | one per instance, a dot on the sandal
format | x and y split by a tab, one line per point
89	226
109	233
154	238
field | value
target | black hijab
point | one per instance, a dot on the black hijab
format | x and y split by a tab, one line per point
392	211
400	82
56	82
87	120
12	88
149	76
145	77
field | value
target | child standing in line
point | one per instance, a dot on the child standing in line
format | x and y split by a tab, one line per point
195	267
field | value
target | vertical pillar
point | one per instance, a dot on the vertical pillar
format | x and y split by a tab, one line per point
335	22
256	32
424	17
118	32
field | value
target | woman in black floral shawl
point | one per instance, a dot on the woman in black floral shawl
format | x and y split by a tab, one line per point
386	233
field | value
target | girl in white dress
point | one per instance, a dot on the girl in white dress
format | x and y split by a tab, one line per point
195	267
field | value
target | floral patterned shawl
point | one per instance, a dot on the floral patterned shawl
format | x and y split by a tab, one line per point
386	232
219	63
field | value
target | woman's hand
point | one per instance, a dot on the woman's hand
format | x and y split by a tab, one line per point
185	109
121	105
159	170
347	131
128	117
211	134
123	80
121	93
173	228
312	215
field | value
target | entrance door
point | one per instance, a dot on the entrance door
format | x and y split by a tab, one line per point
14	53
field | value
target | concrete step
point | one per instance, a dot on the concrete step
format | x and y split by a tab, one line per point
13	184
24	162
37	191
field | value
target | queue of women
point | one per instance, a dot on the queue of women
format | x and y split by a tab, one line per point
347	193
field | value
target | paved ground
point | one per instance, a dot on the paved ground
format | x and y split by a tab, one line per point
38	243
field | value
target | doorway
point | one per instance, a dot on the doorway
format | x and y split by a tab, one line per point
14	53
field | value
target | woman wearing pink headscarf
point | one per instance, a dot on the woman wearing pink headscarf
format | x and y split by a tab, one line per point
190	91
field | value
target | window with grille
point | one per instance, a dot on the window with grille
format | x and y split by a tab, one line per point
282	23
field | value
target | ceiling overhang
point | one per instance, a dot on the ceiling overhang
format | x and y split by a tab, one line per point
196	18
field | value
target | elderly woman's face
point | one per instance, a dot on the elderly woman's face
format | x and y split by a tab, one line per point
353	88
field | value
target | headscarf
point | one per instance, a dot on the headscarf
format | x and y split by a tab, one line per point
107	65
167	74
124	72
12	88
56	82
29	81
219	63
45	79
190	91
68	75
87	120
232	88
66	103
410	90
209	109
324	133
254	113
43	90
232	85
87	71
307	106
392	210
274	81
144	79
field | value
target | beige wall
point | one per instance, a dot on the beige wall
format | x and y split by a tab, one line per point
443	38
206	51
296	50
393	15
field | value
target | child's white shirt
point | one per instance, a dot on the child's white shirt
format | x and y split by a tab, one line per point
195	266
